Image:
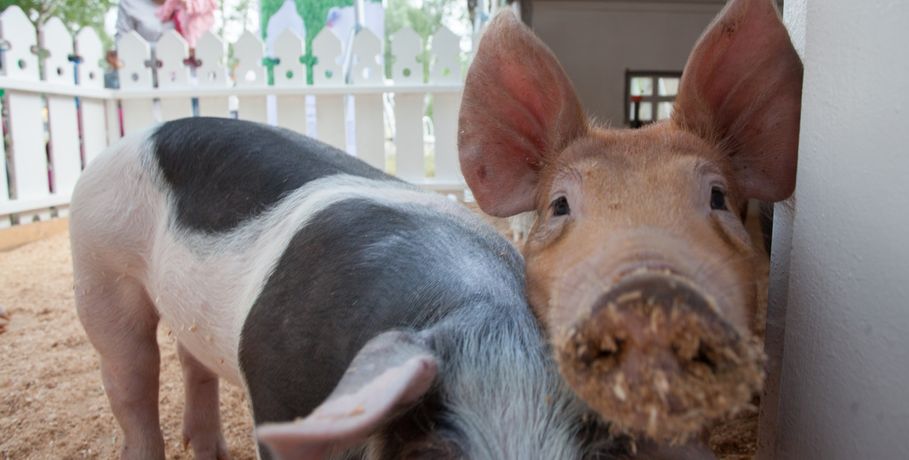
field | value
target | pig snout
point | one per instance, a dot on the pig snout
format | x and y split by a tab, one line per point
655	353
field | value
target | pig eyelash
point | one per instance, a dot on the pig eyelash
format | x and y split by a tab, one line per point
560	207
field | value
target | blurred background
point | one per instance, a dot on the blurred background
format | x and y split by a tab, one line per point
228	19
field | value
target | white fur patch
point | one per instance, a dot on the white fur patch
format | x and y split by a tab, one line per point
204	285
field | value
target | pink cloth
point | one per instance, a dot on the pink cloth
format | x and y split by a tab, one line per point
192	18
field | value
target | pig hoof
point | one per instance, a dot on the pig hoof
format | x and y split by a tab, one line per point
207	447
655	357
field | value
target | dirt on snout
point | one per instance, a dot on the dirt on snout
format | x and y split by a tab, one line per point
52	404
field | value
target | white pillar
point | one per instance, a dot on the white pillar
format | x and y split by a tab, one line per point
844	385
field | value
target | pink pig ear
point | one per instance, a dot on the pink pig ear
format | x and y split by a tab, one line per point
391	372
742	87
518	111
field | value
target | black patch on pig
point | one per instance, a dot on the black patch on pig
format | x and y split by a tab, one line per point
222	172
359	269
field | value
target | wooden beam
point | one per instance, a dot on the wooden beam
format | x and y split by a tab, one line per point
19	235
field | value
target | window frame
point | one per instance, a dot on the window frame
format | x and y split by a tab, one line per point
655	98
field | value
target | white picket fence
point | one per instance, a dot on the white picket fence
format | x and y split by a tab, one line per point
55	123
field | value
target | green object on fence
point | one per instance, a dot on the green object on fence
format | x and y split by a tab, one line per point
314	14
308	61
270	63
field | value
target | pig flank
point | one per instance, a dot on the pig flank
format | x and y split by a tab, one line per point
637	263
322	286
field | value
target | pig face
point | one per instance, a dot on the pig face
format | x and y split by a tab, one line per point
638	264
647	280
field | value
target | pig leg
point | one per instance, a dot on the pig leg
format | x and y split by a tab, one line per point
201	417
121	322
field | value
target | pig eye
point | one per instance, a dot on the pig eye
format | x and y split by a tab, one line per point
560	207
718	199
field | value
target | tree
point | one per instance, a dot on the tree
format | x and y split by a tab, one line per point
424	19
76	14
314	14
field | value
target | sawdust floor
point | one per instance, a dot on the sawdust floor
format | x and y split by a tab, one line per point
52	404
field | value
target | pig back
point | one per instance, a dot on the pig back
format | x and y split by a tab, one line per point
303	253
362	267
232	195
221	172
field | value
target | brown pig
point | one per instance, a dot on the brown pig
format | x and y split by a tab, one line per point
638	264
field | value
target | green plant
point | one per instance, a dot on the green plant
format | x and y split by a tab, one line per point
313	12
424	19
76	14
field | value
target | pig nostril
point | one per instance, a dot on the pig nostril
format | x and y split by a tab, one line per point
703	357
610	349
696	357
603	352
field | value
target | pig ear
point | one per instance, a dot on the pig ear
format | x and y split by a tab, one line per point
742	88
390	373
518	111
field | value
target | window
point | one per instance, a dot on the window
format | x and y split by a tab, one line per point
656	90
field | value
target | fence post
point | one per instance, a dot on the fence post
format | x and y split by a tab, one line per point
136	74
251	73
406	47
290	73
65	155
212	73
368	117
28	168
326	71
446	69
172	51
94	130
5	221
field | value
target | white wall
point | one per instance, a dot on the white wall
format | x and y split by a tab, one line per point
596	41
845	369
